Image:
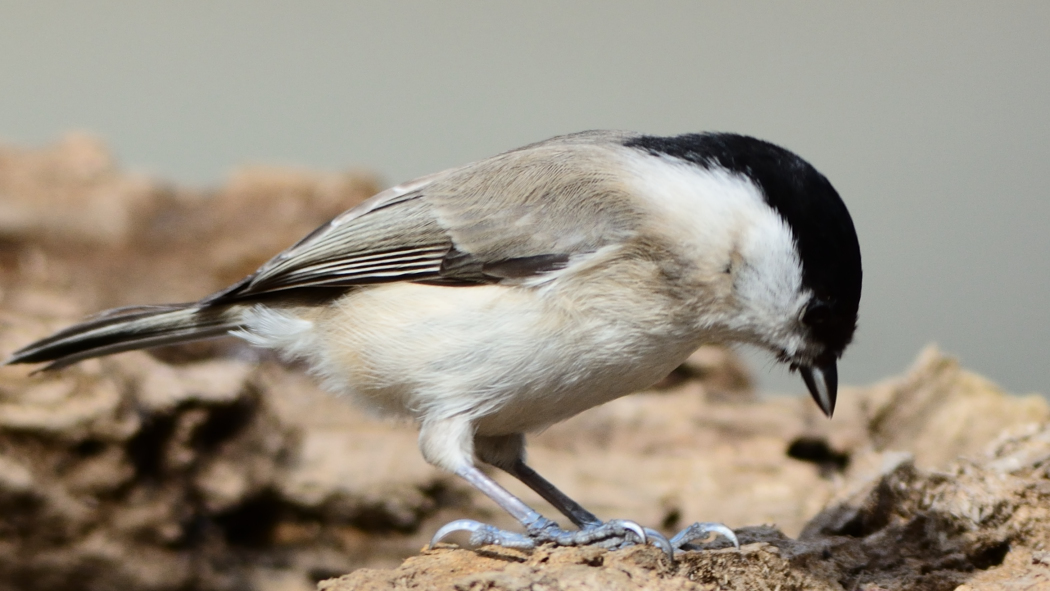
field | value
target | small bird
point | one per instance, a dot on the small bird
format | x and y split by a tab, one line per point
495	299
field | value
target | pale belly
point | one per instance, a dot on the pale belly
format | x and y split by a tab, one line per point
508	360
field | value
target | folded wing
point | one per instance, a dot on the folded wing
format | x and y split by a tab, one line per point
510	217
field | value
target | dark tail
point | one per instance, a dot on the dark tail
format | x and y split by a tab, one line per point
125	329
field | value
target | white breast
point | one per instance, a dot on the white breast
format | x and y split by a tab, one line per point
511	359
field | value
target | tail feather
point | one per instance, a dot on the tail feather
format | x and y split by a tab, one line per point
125	329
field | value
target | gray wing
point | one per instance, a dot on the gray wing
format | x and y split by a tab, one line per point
517	215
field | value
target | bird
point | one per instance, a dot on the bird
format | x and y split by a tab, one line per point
494	299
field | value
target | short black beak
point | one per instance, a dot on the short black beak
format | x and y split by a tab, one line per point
823	384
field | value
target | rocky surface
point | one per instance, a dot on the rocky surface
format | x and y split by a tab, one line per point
214	467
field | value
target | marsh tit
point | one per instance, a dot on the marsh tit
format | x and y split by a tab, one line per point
495	299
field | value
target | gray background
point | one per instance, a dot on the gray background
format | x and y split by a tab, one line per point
930	118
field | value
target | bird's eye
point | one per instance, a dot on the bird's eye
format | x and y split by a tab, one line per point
817	312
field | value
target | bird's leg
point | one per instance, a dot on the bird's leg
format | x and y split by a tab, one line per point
584	519
506	453
538	528
482	533
445	443
559	500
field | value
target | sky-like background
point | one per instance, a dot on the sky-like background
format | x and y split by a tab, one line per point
932	119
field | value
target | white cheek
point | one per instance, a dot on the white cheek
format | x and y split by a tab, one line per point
769	288
717	217
773	278
703	211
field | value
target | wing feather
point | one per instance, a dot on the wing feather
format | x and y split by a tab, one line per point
506	218
400	240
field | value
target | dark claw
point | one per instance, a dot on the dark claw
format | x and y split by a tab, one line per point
482	534
702	530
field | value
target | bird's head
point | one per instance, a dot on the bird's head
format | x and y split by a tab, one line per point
790	252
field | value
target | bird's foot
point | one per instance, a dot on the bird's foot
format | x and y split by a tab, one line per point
613	534
699	531
483	534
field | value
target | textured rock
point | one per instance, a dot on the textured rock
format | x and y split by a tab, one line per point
973	525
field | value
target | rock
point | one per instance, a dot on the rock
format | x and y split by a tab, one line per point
982	524
939	411
70	192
